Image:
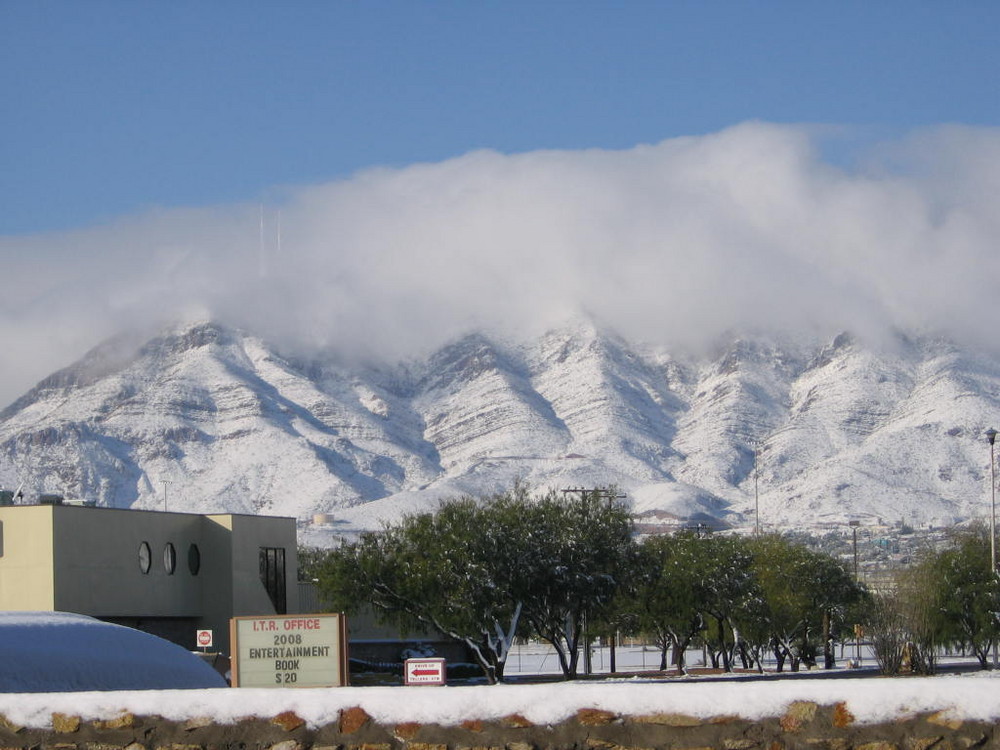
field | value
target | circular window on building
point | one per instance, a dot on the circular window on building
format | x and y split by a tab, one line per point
194	559
145	557
169	559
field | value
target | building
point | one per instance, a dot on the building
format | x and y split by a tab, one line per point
169	574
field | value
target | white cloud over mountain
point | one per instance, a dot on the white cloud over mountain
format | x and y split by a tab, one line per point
673	243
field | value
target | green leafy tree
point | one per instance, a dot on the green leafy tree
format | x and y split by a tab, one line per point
954	596
805	599
834	595
664	598
477	570
447	571
311	561
784	610
579	551
725	590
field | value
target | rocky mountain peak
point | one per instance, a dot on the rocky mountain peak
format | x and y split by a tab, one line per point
836	428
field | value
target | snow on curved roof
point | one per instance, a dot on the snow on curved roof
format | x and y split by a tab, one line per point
42	652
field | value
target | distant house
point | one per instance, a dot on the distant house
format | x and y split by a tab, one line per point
169	574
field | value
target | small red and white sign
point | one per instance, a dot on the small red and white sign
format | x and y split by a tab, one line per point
423	672
204	638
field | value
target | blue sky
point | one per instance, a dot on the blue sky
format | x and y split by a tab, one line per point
118	108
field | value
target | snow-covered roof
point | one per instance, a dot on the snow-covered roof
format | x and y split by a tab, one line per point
45	652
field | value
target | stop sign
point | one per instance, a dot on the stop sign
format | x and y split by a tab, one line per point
204	638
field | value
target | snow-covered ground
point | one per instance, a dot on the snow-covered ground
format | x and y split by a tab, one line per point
973	697
535	658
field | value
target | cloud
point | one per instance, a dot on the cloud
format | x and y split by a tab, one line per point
674	243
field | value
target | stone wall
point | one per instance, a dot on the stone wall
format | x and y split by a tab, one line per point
804	725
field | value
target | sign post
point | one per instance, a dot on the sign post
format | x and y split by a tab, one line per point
423	672
290	651
204	639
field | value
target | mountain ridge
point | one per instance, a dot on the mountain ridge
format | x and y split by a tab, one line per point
208	418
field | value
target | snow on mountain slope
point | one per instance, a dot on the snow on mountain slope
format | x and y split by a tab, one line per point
618	409
845	395
216	416
478	402
206	418
740	398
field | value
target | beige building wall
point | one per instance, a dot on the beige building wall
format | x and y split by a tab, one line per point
26	559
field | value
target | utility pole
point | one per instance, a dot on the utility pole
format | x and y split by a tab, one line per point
756	491
165	483
991	435
857	628
854	529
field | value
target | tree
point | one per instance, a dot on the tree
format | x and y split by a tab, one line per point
311	562
955	596
478	569
725	590
578	554
949	597
833	596
447	570
664	598
784	609
805	597
888	630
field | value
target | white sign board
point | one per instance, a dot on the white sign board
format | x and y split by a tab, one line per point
423	672
204	638
290	651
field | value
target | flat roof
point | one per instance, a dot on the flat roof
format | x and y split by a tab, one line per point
77	506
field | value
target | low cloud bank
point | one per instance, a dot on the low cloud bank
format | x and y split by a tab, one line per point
673	243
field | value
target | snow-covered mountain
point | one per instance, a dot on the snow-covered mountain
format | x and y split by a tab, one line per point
208	418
